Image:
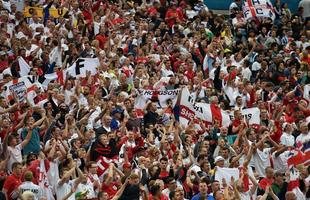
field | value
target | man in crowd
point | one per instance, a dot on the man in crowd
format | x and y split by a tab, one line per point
153	99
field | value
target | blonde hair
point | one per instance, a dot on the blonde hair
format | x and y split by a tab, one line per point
27	194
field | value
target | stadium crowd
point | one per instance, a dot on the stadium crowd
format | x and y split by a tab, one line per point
81	137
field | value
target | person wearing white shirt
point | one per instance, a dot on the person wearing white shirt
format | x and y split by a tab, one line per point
27	185
65	185
88	186
287	139
92	177
304	135
246	72
262	155
279	159
14	149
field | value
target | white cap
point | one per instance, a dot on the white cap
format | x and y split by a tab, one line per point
21	35
218	158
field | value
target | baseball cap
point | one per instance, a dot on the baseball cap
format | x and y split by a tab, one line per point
116	110
218	158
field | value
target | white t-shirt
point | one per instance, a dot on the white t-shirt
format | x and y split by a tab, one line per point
68	94
287	139
280	162
15	155
30	186
256	66
63	190
246	73
261	161
53	174
91	179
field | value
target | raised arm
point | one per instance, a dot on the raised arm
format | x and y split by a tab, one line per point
249	156
110	175
120	191
28	137
67	175
255	184
80	177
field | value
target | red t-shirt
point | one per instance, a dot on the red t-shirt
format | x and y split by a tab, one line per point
102	40
190	74
265	182
10	184
163	174
111	189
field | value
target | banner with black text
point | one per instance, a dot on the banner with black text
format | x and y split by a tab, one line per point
258	9
161	98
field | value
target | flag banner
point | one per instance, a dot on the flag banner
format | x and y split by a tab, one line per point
43	180
293	184
103	164
305	148
208	113
21	87
258	9
295	157
160	97
226	173
39	11
250	114
82	65
24	67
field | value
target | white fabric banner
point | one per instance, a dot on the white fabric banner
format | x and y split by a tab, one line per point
190	110
81	65
43	181
24	67
258	9
161	97
19	87
250	114
226	173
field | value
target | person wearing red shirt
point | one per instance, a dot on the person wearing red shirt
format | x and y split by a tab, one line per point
10	187
5	125
101	37
163	168
132	143
237	121
156	193
109	185
173	15
268	180
190	73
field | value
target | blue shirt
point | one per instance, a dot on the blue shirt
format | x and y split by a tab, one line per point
34	143
197	197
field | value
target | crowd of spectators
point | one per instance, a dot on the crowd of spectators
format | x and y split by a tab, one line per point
87	142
